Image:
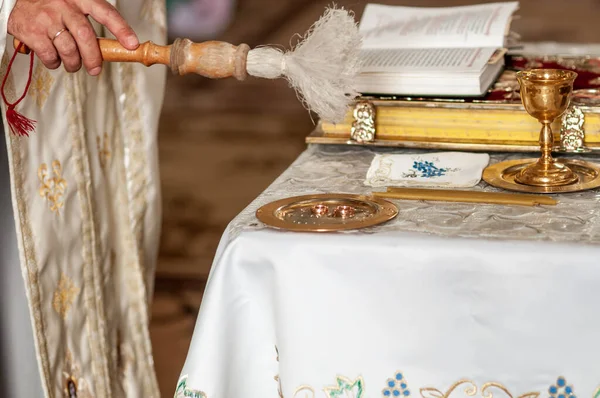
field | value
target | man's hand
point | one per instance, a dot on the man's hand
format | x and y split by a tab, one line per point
58	30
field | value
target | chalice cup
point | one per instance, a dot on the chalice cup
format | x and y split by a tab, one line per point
546	95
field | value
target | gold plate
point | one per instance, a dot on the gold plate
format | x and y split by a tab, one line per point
502	175
326	212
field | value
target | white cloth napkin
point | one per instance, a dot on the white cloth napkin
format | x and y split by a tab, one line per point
443	169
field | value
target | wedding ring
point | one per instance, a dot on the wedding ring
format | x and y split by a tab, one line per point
344	211
320	210
58	33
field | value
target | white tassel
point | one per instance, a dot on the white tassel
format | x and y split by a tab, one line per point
321	68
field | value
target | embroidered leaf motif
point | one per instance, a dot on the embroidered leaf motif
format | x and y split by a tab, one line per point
306	391
183	392
470	390
530	395
346	388
277	379
597	394
431	393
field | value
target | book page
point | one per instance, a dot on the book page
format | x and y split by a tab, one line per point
422	61
484	25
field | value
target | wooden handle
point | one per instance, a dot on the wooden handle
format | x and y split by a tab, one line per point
212	59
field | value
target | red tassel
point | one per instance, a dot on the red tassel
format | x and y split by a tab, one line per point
18	124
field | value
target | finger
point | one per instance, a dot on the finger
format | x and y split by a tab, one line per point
85	37
45	51
107	15
31	32
67	50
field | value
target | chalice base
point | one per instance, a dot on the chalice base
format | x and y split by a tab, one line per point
547	174
503	175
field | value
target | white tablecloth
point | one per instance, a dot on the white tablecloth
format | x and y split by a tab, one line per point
364	307
421	296
447	300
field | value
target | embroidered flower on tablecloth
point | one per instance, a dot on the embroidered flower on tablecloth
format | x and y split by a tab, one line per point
561	389
396	387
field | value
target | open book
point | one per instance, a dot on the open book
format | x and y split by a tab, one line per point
454	51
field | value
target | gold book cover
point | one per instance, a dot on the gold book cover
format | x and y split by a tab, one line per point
496	122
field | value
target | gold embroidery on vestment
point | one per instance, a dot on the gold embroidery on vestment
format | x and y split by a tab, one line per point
9	88
104	151
41	84
135	177
52	188
64	296
30	262
92	276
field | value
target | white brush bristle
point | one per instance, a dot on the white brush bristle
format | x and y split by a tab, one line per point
321	68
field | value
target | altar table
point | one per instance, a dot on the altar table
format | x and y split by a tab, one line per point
446	300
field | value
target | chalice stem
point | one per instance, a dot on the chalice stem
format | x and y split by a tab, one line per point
546	143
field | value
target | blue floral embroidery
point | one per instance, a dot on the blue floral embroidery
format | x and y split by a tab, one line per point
561	389
396	387
428	169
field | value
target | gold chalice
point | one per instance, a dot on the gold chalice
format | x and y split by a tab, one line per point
546	95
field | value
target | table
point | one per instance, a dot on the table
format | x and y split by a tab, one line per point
446	300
